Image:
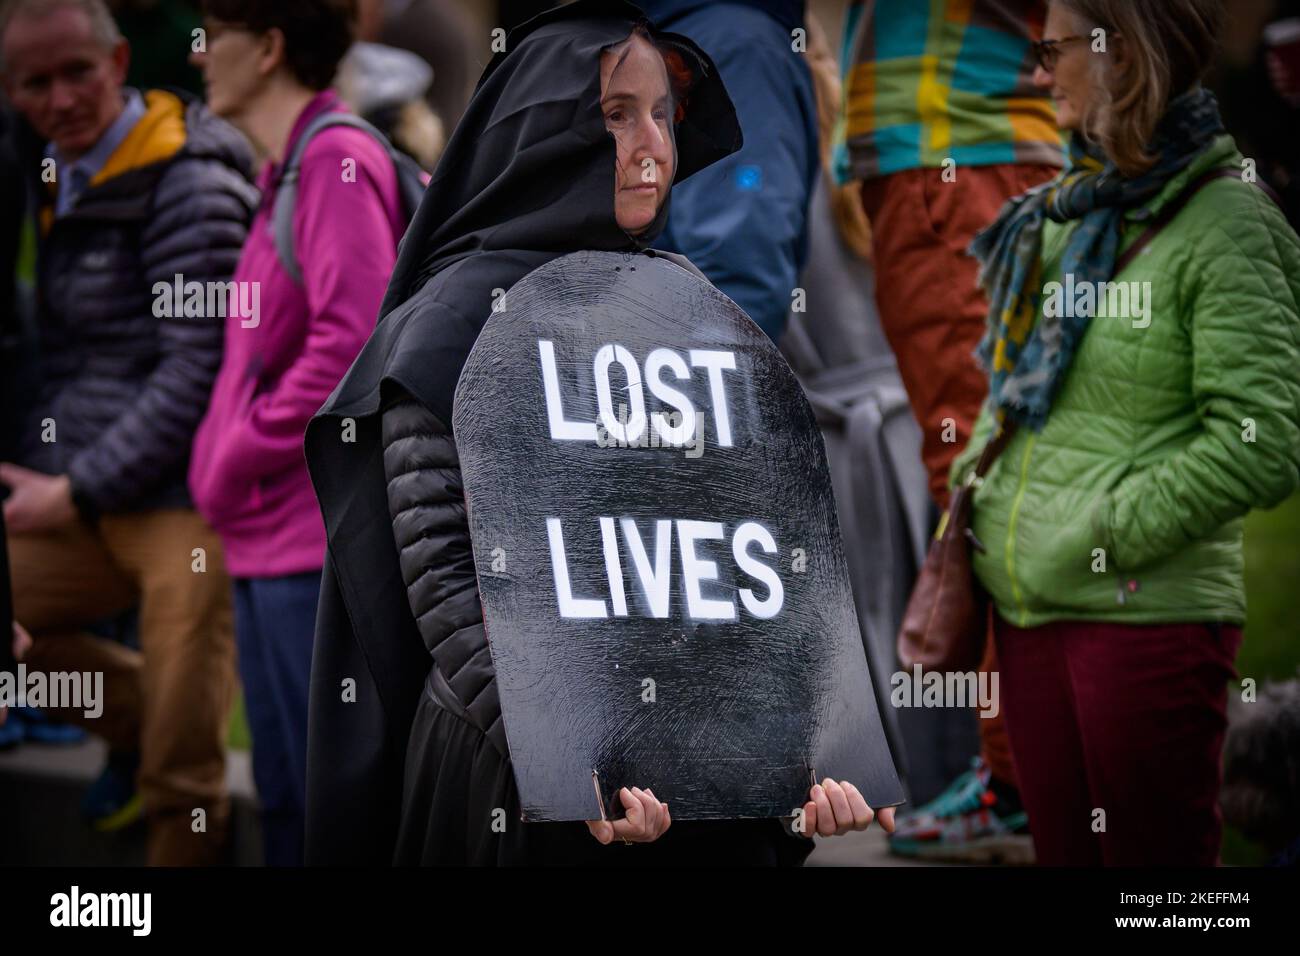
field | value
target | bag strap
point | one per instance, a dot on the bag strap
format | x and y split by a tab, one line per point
956	517
994	447
286	196
1176	205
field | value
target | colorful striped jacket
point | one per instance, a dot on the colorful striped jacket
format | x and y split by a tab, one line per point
932	80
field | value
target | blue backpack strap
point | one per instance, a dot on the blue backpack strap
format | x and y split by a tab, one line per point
286	196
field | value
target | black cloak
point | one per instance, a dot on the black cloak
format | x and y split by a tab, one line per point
528	176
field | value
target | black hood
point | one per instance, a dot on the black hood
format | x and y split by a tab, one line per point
528	176
531	166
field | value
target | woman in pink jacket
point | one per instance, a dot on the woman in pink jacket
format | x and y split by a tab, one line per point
268	68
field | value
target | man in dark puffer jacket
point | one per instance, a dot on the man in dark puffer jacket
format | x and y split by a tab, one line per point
145	188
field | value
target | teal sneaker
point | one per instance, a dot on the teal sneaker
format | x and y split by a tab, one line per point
970	822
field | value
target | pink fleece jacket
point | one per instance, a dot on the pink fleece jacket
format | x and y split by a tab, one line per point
248	474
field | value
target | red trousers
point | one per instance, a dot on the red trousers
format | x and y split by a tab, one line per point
934	315
1117	732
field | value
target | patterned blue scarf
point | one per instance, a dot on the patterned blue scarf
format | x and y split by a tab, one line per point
1026	353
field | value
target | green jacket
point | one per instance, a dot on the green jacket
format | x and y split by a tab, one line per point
1128	505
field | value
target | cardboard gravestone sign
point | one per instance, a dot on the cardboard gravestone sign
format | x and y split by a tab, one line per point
659	561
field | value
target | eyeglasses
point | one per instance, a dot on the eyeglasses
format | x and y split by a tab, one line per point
1048	51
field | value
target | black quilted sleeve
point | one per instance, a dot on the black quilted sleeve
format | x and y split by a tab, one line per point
427	503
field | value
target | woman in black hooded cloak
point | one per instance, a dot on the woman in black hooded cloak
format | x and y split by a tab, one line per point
407	762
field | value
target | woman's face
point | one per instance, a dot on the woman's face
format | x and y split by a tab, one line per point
230	67
638	111
1071	80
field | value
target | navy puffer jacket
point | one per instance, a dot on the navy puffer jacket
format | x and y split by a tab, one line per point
124	388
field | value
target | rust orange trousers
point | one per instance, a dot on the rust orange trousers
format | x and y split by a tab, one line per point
934	315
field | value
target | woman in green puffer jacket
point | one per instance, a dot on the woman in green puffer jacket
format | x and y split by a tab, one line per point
1153	408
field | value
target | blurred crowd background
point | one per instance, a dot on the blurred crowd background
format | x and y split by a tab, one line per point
412	78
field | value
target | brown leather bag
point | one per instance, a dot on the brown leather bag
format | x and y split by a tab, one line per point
945	624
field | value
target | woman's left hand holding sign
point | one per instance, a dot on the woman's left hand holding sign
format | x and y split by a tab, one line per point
646	819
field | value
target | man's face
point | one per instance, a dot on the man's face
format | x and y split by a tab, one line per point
62	79
638	111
